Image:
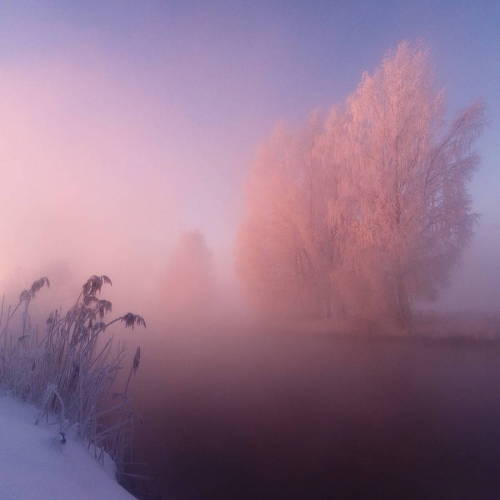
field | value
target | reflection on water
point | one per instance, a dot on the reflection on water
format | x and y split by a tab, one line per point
249	416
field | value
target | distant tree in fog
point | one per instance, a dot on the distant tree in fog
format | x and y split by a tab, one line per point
283	246
189	281
364	209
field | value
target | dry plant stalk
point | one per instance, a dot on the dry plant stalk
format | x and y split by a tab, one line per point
69	370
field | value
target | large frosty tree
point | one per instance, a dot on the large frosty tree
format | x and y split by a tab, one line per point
365	210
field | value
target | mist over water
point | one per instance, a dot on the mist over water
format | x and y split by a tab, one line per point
126	138
252	413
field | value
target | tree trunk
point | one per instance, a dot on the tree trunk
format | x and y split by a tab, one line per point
404	309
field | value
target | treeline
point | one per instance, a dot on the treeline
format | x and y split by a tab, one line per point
365	209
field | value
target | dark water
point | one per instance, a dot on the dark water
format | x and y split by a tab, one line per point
320	417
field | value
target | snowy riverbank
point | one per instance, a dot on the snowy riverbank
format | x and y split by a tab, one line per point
34	464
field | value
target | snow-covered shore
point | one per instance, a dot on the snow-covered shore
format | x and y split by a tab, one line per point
34	464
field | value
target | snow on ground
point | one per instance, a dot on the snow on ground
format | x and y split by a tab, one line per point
34	464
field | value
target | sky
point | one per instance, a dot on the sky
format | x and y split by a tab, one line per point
126	122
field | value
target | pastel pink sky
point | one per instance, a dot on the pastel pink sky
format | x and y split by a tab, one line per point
124	123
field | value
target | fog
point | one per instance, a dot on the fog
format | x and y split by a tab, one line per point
125	134
105	163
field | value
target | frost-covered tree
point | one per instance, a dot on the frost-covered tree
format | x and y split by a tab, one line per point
363	211
282	249
189	280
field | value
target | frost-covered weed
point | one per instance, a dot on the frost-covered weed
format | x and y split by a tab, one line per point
69	370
